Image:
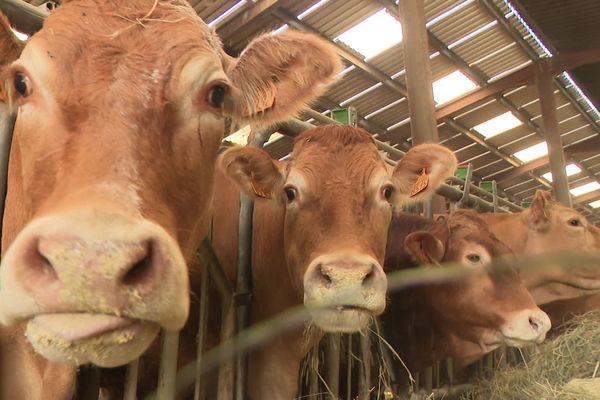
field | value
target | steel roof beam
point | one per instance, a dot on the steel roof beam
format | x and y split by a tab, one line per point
238	25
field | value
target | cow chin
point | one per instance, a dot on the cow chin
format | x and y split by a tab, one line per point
341	319
77	339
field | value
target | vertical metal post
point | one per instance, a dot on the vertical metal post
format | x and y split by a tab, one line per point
349	370
202	325
131	380
495	195
168	366
332	355
88	382
556	154
244	273
364	382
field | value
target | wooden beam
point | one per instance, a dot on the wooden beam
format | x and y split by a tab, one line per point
260	10
418	72
585	198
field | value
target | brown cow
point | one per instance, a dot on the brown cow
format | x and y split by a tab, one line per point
319	238
548	227
464	318
121	109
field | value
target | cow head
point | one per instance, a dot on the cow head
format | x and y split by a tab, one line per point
554	228
121	107
489	309
337	193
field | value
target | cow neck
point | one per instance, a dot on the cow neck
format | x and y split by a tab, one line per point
510	229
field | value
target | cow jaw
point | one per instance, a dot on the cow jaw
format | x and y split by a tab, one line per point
344	291
82	338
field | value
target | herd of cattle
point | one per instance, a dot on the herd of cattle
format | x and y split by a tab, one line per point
114	178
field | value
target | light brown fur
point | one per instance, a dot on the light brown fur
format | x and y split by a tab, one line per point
340	208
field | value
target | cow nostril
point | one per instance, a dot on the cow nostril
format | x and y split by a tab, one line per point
370	276
534	324
39	263
324	277
142	269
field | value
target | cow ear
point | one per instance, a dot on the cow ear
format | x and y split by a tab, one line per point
421	171
277	75
424	247
254	171
539	211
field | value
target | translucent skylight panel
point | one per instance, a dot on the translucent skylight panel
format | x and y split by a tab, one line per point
583	189
498	124
451	86
533	152
375	34
595	204
570	169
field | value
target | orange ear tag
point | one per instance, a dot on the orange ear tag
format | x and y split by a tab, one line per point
421	183
259	192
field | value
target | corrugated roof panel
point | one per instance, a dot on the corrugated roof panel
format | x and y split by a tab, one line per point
483	44
461	23
434	8
337	16
440	67
512	135
390	61
210	10
352	83
375	100
499	165
392	115
522	144
503	61
482	114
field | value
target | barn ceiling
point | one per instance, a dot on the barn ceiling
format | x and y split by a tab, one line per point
487	45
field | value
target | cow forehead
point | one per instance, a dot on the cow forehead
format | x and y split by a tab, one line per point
357	166
113	49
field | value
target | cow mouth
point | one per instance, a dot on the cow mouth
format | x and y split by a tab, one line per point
82	338
342	318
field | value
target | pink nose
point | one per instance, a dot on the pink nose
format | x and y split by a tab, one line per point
116	265
95	264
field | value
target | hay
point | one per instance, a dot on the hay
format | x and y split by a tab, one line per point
574	354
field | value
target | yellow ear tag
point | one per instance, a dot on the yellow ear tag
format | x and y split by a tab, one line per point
258	191
421	183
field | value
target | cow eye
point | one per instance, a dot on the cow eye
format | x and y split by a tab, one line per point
387	192
22	85
290	193
216	95
474	258
574	222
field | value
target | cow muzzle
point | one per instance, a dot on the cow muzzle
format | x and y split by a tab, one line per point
525	327
93	289
344	291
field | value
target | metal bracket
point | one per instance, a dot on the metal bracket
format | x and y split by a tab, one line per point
467	187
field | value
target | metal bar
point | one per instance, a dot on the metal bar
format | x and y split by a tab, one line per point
202	327
418	72
349	369
545	86
243	286
332	357
168	366
25	17
364	382
131	380
495	196
467	185
215	270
